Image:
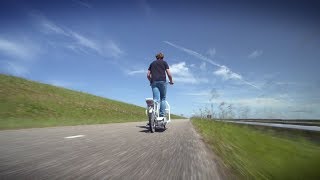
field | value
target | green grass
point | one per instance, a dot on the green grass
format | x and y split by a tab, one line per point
254	154
27	104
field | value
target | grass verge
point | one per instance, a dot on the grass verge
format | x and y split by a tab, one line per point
28	104
253	154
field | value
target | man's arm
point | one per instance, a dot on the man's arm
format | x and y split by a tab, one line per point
149	75
169	76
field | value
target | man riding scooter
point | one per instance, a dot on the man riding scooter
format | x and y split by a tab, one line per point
157	76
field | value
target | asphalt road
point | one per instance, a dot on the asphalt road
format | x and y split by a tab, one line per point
112	151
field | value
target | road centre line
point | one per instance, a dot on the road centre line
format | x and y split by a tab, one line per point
71	137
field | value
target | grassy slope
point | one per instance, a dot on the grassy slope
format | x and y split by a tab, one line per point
253	154
25	104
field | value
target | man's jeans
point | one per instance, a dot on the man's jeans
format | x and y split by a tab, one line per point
159	90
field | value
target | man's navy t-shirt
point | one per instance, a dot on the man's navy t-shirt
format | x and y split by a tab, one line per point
158	70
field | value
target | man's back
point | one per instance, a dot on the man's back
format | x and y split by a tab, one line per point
158	70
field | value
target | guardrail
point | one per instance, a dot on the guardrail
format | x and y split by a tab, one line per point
278	125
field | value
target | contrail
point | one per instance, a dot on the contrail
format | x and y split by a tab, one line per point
200	56
193	53
250	84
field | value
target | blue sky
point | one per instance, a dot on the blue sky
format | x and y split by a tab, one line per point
262	56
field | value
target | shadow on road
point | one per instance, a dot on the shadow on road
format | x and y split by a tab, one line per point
146	129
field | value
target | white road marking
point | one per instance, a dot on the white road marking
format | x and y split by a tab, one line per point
70	137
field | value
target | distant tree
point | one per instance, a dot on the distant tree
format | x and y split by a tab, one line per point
230	113
213	95
222	113
201	113
207	112
244	112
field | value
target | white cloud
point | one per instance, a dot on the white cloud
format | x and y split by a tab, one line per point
112	49
260	102
86	42
52	28
77	48
271	106
108	49
227	74
47	26
137	72
182	74
21	49
212	52
223	69
16	69
80	42
20	52
203	66
255	54
199	93
256	103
